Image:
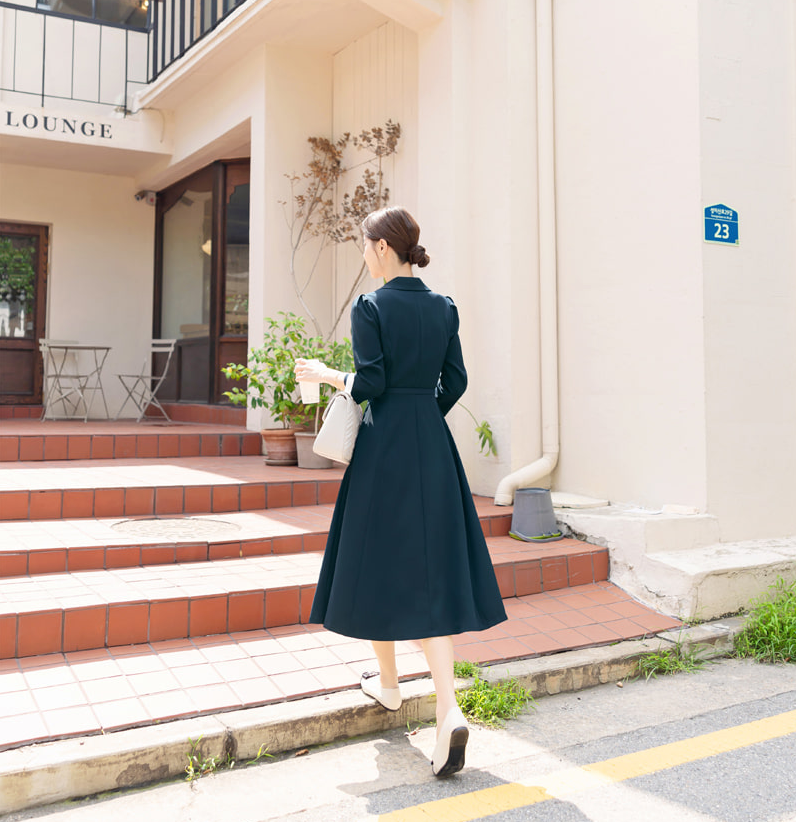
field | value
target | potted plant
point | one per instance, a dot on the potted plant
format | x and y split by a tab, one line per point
271	384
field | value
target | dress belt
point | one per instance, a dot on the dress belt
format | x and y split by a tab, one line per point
422	391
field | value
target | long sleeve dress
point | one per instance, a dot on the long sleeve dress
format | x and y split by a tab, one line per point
406	557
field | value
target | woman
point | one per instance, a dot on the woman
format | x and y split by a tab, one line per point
406	556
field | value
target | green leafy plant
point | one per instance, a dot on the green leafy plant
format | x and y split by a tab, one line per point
270	376
484	431
769	633
490	703
670	661
17	274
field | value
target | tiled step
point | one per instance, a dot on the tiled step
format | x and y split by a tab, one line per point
177	411
135	488
25	440
53	613
98	691
21	412
200	413
522	568
46	546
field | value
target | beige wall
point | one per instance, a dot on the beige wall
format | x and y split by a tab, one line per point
678	380
746	77
477	203
630	252
297	103
375	80
100	278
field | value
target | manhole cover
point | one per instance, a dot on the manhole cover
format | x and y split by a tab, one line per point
176	527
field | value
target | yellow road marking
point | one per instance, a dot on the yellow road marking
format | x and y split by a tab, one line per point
477	804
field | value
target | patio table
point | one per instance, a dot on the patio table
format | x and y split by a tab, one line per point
73	379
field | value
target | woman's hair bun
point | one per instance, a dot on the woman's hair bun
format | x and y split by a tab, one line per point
418	256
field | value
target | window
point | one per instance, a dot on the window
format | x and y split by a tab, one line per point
131	13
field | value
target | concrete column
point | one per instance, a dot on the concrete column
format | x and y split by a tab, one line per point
477	206
297	105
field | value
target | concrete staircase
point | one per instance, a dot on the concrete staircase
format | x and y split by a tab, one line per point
675	561
153	571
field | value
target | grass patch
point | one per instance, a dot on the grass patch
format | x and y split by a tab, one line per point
489	703
769	634
672	660
465	669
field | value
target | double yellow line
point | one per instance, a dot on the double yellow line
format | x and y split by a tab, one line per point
477	804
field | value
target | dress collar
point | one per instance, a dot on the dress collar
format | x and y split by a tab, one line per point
407	284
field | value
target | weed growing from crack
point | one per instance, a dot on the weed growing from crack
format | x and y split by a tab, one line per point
489	703
676	659
199	765
769	634
465	669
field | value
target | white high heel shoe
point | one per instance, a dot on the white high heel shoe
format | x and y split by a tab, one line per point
389	698
448	757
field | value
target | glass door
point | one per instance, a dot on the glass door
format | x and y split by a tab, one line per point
23	297
202	278
234	286
186	284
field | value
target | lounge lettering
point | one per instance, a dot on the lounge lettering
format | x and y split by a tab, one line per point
62	125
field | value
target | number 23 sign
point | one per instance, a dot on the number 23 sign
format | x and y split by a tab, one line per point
721	225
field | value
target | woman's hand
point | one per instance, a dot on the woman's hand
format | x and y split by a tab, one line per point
316	371
309	370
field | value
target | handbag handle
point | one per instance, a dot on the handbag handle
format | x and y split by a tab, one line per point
345	392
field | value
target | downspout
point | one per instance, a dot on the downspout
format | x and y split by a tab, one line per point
548	302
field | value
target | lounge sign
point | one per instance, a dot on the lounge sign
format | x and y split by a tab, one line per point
54	124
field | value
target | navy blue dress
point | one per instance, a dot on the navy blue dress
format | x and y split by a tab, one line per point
406	557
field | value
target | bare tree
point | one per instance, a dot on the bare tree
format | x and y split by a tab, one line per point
317	218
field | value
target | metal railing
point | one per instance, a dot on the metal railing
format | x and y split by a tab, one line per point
50	55
177	25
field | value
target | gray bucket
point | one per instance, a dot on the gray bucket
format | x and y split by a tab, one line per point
533	519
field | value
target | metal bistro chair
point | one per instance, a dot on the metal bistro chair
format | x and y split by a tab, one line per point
142	388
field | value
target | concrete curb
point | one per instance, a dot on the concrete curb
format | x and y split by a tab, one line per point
71	768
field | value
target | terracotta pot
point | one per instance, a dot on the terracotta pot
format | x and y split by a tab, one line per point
307	458
280	446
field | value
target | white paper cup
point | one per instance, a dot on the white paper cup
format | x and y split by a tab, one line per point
310	392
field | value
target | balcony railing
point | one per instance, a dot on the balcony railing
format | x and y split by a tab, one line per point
98	51
177	25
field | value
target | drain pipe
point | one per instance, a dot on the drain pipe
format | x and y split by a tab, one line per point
548	302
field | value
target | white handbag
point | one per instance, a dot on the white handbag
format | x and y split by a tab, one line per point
341	421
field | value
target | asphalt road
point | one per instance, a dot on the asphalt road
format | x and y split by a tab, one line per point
714	746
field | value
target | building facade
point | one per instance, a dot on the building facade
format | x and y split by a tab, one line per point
560	156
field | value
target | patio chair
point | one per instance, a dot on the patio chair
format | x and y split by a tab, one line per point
64	380
142	388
